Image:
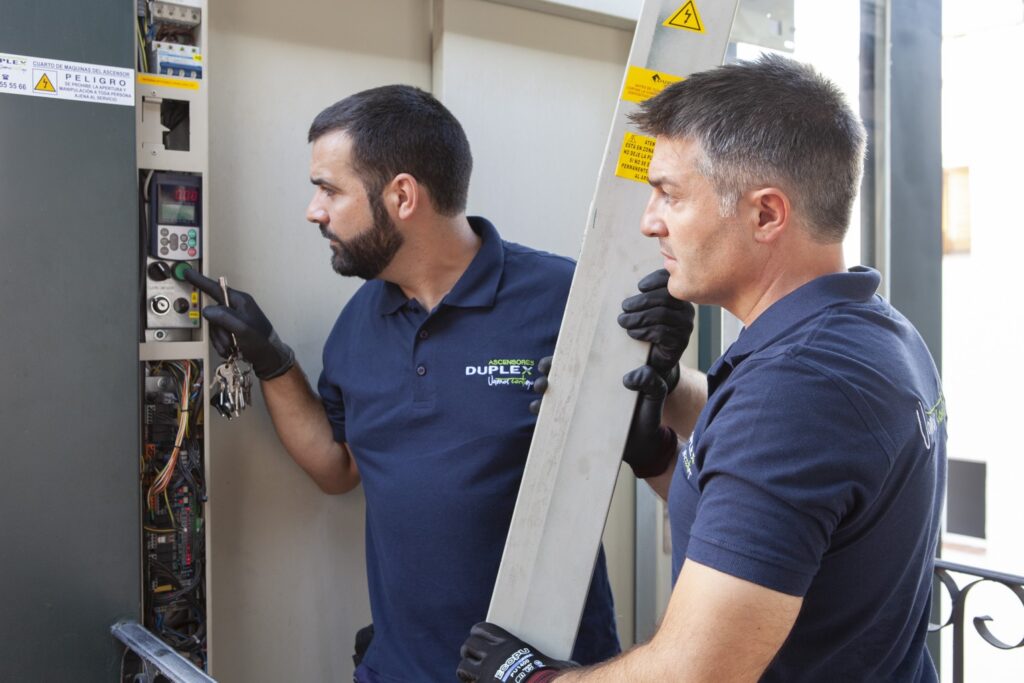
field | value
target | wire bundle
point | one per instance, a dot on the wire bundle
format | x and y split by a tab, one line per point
173	483
163	479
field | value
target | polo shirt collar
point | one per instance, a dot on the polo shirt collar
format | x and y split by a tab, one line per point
478	284
856	285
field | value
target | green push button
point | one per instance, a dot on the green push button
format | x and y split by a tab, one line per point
180	268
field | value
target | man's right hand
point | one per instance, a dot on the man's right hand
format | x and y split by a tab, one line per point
257	341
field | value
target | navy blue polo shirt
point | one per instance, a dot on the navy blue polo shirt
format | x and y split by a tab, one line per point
817	469
434	407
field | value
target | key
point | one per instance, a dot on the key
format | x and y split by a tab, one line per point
231	392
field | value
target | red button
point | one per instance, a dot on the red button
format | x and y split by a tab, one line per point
191	252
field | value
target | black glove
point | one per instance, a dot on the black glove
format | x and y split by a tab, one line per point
656	316
650	445
257	341
540	385
364	637
492	653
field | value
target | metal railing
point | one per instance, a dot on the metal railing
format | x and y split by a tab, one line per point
157	657
958	612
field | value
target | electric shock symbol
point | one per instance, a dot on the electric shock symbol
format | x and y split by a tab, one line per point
686	17
45	85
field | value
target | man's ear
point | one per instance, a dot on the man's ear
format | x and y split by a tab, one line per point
774	213
403	196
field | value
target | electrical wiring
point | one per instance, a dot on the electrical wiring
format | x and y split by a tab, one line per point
172	479
163	479
142	45
170	510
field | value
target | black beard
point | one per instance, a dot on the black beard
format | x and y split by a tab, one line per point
369	252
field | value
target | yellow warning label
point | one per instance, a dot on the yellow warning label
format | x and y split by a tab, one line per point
45	85
635	157
642	83
169	81
194	315
195	298
686	17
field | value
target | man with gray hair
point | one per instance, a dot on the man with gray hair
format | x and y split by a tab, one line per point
805	506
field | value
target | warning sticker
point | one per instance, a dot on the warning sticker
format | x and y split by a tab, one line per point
66	80
686	17
169	81
635	157
642	83
44	84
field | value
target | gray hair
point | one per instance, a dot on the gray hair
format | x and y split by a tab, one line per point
773	121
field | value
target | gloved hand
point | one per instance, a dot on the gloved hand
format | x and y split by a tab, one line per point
257	341
492	653
540	385
656	316
650	445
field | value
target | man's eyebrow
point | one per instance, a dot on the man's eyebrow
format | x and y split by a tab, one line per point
321	182
657	181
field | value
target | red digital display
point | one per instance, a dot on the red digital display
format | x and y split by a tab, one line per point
186	194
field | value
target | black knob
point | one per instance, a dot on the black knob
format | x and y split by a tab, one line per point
158	271
181	305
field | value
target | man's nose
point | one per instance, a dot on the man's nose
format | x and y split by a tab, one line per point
651	224
316	214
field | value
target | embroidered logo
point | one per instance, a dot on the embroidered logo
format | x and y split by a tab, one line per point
929	419
686	455
505	372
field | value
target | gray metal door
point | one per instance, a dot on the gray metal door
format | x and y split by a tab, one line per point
69	537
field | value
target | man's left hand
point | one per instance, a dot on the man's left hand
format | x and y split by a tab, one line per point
492	653
657	317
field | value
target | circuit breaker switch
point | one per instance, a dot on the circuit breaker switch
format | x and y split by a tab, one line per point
183	14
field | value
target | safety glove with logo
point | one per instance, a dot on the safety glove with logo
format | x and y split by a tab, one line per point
492	653
257	341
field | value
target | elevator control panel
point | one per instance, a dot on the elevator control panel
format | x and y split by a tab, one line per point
175	224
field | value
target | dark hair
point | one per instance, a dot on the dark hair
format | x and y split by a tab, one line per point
773	121
401	129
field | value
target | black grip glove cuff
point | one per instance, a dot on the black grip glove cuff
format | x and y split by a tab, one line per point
655	462
276	362
492	653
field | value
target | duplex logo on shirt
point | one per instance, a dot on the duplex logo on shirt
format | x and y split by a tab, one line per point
505	372
929	419
686	455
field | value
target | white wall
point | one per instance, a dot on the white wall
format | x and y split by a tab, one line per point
289	587
536	94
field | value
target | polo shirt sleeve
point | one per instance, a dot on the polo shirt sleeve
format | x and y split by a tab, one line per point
787	459
334	405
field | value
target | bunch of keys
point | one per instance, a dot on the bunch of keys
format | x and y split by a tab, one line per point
231	392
